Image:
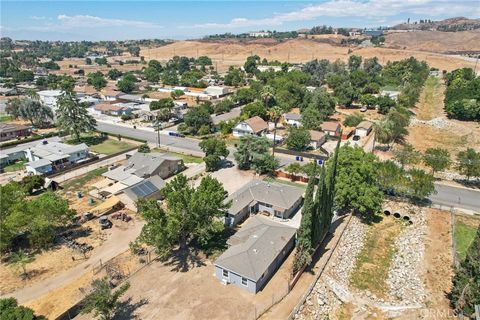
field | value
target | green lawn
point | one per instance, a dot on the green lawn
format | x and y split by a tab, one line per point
5	117
77	183
464	235
287	182
16	166
111	146
186	158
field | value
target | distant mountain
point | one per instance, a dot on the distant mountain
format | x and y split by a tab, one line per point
447	25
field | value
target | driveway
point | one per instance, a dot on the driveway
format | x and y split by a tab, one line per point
117	243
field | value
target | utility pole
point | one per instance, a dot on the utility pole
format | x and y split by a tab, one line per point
157	128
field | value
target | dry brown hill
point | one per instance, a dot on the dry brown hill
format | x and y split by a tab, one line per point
436	41
225	54
450	24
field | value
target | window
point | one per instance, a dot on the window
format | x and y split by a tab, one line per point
225	273
244	281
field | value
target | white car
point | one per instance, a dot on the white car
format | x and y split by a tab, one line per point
363	109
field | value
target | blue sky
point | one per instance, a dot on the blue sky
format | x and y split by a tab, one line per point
120	20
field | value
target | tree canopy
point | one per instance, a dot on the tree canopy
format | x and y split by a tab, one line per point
73	116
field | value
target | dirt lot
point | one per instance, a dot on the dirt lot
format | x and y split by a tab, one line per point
438	259
197	294
49	262
296	50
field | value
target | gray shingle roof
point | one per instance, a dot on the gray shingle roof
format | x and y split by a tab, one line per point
39	163
255	247
277	194
144	164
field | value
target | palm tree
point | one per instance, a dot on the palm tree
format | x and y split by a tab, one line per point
19	260
274	115
267	94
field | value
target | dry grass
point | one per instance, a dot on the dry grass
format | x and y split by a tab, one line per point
373	262
431	101
229	53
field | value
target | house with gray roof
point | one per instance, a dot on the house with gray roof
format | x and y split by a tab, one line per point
276	199
256	251
146	189
149	164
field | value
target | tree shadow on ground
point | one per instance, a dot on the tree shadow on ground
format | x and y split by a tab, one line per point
184	259
126	309
469	183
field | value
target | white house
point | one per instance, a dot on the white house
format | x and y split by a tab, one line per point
393	94
50	98
39	167
293	119
216	91
263	68
110	94
252	126
364	128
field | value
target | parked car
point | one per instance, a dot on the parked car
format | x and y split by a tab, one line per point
356	138
105	223
363	109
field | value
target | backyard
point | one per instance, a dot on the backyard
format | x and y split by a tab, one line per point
186	158
105	145
15	166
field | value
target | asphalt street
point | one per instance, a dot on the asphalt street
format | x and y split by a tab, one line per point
455	197
448	196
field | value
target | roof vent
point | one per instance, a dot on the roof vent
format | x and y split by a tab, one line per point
255	251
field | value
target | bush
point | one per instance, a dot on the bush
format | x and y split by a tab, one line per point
353	120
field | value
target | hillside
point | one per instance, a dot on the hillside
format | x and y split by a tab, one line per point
436	41
296	50
451	24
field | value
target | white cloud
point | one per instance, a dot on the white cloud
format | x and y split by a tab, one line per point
38	18
378	9
87	21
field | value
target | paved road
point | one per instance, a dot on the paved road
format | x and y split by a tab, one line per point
450	196
185	145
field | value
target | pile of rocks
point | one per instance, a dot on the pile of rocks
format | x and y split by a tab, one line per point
404	278
322	301
439	123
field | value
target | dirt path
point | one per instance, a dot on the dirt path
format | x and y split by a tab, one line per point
438	259
430	105
116	244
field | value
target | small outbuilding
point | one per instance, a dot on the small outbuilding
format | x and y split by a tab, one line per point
364	128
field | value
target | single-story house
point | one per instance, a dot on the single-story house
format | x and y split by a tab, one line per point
317	138
216	91
331	128
252	126
49	98
147	189
364	128
393	94
144	165
40	166
279	200
257	250
109	94
9	131
293	119
48	156
112	109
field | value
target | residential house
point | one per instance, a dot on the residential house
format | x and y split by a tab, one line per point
278	200
56	154
252	126
260	34
146	189
49	98
9	131
393	94
216	91
331	128
256	251
112	109
317	138
364	128
108	94
264	68
293	119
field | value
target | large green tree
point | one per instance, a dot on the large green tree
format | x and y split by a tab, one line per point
191	214
298	139
252	153
465	294
356	182
437	159
103	300
406	155
97	80
214	149
10	310
73	115
468	163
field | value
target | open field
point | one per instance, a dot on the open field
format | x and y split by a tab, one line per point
435	41
186	158
229	53
431	101
373	262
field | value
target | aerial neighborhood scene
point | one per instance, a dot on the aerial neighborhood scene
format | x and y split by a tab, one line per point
240	160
